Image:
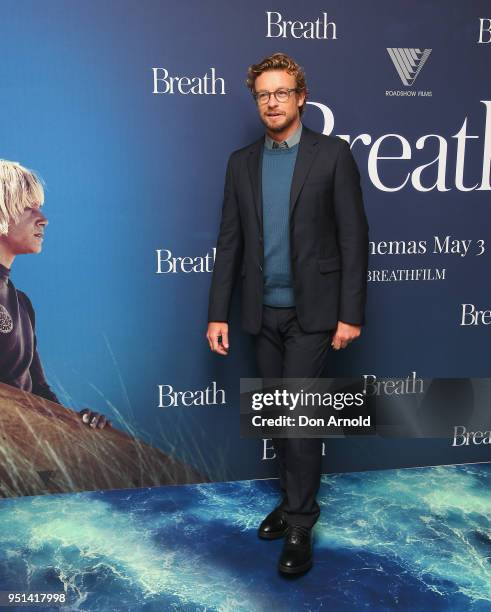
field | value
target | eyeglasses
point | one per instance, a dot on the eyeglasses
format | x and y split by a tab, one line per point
281	95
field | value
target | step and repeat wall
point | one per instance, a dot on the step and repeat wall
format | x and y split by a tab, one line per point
129	112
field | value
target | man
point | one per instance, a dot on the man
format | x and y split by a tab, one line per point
293	218
22	228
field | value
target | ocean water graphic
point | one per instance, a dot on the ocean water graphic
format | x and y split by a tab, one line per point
413	539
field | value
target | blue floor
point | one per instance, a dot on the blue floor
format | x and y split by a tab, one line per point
414	539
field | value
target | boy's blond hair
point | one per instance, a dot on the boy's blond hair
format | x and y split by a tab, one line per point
20	188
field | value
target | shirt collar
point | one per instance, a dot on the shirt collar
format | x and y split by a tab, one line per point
291	142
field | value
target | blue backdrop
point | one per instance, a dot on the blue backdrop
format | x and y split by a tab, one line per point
130	172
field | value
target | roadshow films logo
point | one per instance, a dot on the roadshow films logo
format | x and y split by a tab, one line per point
408	63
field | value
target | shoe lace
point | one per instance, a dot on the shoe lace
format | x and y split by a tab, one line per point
296	533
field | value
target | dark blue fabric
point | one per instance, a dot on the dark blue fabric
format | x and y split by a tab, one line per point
20	365
277	173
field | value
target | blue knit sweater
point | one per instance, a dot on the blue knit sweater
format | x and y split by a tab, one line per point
277	173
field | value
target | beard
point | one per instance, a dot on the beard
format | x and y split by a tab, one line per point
278	128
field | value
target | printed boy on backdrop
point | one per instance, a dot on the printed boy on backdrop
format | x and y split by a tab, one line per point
22	229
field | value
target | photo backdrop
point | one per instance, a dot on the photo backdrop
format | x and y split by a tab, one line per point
129	112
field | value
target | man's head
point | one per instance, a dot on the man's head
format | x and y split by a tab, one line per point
281	74
21	221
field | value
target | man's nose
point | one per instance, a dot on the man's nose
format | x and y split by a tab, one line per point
42	220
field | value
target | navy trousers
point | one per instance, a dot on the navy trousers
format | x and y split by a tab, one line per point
283	350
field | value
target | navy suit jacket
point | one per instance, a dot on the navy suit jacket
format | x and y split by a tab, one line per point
328	236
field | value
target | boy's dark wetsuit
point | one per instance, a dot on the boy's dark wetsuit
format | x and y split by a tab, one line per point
20	365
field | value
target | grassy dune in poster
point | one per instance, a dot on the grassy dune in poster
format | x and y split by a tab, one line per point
46	448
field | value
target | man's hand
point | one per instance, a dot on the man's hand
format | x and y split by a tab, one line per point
94	419
217	336
344	334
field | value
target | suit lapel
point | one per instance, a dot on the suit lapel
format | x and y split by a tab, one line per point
307	150
254	164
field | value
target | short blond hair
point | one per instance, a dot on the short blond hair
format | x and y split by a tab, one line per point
20	188
279	61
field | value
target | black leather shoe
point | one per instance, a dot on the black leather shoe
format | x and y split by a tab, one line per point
297	550
274	526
